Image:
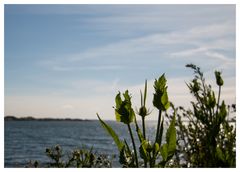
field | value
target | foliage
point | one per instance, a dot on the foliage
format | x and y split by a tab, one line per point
115	137
152	155
205	136
160	97
79	158
123	111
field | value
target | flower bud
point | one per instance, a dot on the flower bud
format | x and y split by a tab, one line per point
143	111
219	79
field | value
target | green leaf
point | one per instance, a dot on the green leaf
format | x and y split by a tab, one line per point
219	154
156	149
127	147
164	151
127	98
141	98
160	83
143	150
118	100
145	93
164	100
168	149
111	133
212	99
222	113
171	137
140	135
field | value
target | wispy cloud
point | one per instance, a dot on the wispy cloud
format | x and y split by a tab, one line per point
151	48
204	52
86	68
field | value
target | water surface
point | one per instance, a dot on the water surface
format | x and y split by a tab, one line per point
27	140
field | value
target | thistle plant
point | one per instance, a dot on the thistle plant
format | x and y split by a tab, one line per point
160	101
143	112
153	155
124	113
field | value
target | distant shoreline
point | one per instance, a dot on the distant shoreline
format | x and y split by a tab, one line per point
30	118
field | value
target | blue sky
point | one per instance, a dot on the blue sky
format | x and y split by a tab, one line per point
71	60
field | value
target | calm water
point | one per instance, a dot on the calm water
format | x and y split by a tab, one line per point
27	140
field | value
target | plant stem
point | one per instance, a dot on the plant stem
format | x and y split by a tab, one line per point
219	92
158	125
144	136
134	147
143	125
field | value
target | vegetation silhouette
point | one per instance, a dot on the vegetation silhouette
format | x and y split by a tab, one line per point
203	136
208	139
78	158
153	155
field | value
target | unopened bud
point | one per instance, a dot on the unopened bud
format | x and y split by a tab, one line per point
219	79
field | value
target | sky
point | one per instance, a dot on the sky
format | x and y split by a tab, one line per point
70	61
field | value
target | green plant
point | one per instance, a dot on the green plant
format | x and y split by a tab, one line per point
83	158
153	155
79	158
206	138
55	154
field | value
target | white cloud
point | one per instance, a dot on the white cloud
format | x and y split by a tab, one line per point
205	52
188	52
218	56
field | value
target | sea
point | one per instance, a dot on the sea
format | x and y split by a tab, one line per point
26	141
